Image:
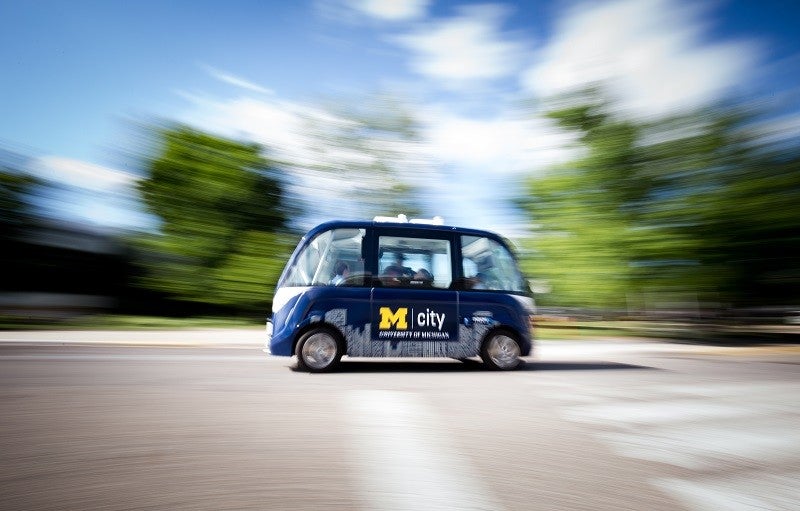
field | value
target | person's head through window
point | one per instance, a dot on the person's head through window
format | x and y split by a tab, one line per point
424	277
478	281
341	271
391	276
399	265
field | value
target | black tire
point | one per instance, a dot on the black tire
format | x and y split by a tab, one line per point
318	350
501	351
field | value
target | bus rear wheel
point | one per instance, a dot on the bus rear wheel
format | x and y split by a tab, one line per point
501	351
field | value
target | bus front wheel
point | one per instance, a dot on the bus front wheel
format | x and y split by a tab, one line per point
318	351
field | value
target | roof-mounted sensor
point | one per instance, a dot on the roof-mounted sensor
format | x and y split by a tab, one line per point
399	219
403	219
437	220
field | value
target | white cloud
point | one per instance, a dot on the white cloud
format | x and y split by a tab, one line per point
306	135
360	11
465	49
650	53
284	127
306	138
236	81
479	160
81	174
390	10
503	144
458	160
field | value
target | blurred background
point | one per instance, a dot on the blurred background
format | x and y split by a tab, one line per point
159	161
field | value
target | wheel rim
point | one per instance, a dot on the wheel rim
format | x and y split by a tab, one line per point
319	350
503	351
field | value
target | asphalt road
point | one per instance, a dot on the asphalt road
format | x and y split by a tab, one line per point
101	421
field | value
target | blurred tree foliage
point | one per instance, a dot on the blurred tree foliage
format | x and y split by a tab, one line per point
15	209
16	219
367	152
223	211
692	210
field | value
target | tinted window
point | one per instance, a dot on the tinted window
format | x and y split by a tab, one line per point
488	265
331	258
414	262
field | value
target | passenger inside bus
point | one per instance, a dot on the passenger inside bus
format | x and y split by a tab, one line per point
341	271
423	278
391	276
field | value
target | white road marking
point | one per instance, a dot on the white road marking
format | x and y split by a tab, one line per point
781	390
633	414
721	431
740	392
704	447
404	458
756	491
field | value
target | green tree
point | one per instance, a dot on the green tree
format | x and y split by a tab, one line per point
365	157
223	216
15	208
751	225
590	232
692	208
17	219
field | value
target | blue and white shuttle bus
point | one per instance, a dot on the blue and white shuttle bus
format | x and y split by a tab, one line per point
394	287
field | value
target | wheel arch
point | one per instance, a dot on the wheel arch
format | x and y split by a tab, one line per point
498	329
500	361
307	326
525	341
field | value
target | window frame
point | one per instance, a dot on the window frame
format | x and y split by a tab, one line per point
374	260
288	279
465	285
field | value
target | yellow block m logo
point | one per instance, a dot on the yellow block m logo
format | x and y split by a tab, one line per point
389	318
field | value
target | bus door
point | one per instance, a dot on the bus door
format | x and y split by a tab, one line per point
414	310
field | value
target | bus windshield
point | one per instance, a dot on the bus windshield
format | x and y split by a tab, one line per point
328	258
488	265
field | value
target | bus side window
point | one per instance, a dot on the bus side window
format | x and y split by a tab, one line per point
415	262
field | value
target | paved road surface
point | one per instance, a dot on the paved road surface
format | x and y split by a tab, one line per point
219	425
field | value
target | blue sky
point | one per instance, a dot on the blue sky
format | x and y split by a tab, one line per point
74	75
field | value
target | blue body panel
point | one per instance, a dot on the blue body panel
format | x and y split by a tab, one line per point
438	323
496	310
311	306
